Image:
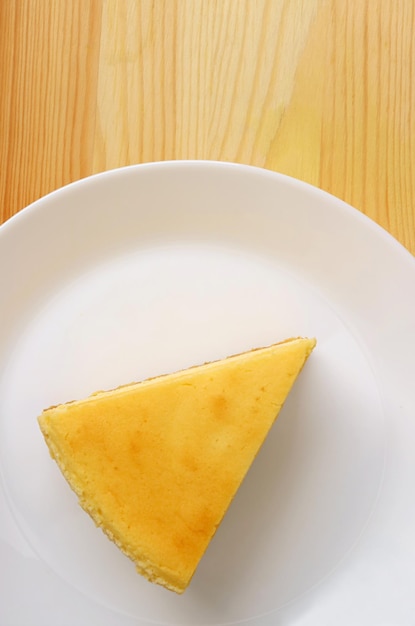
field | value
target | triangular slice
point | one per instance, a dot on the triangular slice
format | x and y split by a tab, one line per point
157	463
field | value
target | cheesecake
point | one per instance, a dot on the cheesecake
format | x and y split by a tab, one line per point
157	463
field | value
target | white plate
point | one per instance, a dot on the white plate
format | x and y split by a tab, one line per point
152	268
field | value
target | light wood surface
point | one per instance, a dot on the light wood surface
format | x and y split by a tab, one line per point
323	90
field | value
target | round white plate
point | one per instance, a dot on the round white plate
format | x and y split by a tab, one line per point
152	268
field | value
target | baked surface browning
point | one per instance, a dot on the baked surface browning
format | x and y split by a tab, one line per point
157	463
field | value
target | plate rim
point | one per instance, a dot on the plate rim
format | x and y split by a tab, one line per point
347	208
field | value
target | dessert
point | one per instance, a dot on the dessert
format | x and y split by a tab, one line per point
157	463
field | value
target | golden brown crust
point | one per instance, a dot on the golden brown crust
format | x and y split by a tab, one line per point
156	464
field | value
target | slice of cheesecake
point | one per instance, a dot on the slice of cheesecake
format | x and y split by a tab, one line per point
157	463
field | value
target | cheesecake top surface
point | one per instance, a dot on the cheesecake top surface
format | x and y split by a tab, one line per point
157	463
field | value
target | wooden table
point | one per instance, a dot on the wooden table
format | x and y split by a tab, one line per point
323	90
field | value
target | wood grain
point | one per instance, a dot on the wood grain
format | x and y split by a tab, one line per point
49	54
323	90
